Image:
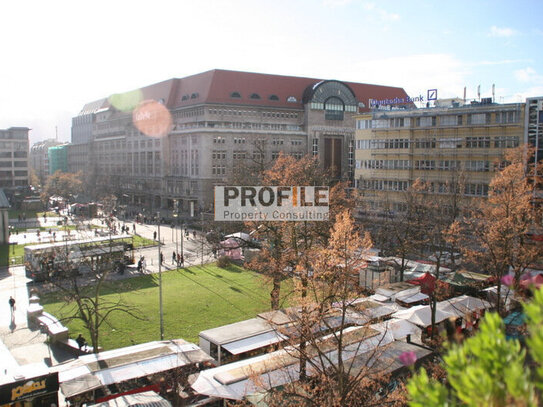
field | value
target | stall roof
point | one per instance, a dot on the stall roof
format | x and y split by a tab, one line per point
89	372
236	331
254	342
465	304
145	399
386	359
411	298
399	328
421	315
240	379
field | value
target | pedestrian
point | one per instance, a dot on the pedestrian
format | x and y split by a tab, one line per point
194	234
140	265
134	228
81	342
161	258
154	235
174	257
182	260
11	305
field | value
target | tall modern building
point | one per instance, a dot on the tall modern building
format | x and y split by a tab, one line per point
39	157
437	144
220	121
14	157
58	158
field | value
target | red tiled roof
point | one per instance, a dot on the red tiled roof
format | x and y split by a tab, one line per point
216	86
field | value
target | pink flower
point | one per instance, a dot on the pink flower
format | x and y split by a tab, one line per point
525	276
507	280
408	358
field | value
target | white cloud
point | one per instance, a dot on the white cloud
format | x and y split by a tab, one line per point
336	3
528	75
415	73
376	12
501	62
501	32
520	97
380	13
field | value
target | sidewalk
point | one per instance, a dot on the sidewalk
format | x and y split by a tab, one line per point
20	345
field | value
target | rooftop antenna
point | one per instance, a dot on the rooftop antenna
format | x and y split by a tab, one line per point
493	92
479	92
56	133
464	95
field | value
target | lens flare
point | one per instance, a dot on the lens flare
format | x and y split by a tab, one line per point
152	119
126	102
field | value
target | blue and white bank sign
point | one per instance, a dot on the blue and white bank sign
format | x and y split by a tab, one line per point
431	95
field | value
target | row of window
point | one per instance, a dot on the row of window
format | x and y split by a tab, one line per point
243	140
334	104
442	165
14	173
256	96
278	115
9	164
445	120
15	154
14	145
428	143
218	169
435	187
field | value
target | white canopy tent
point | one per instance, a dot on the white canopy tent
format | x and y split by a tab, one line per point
246	377
463	305
421	315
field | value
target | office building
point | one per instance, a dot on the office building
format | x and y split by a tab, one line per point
14	158
443	144
58	159
219	121
39	158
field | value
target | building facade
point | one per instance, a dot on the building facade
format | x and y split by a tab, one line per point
221	121
450	144
58	159
39	158
14	157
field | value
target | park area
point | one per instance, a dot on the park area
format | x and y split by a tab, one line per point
194	299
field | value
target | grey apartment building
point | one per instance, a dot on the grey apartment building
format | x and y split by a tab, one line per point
14	157
220	121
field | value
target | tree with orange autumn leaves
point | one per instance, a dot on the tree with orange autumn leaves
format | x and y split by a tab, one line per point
286	243
335	368
496	232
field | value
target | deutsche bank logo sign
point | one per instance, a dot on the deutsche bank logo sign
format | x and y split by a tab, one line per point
246	203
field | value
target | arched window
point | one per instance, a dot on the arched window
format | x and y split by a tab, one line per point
273	97
334	108
194	95
185	97
254	96
236	95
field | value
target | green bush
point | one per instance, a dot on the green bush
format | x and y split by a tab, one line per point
223	262
488	369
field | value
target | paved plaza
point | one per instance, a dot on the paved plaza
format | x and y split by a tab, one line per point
21	345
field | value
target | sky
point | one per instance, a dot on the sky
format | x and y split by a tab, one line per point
58	55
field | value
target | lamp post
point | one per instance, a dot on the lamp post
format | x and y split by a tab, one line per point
160	281
175	225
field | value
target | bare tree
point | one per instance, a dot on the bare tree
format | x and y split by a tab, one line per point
79	277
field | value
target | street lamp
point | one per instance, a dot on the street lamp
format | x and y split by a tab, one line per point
160	281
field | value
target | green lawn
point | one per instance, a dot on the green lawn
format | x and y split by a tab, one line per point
194	299
14	214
